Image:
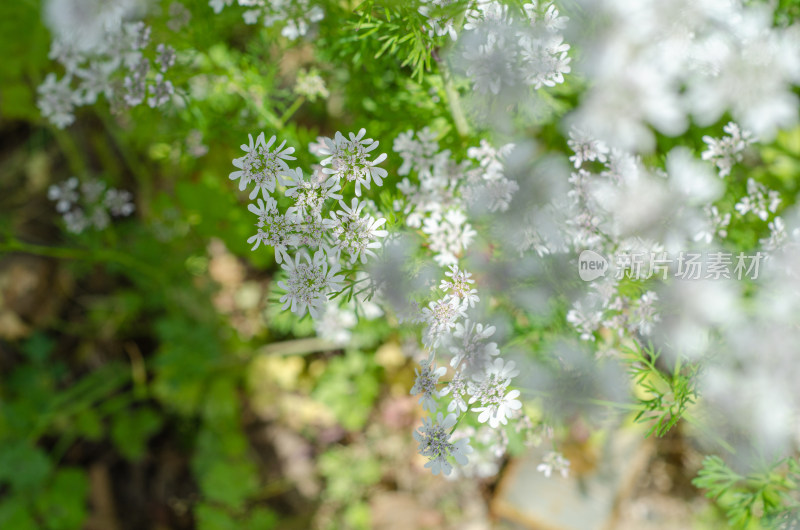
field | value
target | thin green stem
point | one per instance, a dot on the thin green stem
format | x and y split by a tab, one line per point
69	148
140	172
107	255
710	433
298	347
469	407
602	402
291	110
453	99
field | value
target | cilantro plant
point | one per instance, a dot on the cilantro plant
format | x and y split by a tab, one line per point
233	223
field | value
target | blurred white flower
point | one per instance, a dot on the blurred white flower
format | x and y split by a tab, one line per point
427	378
553	461
434	443
727	151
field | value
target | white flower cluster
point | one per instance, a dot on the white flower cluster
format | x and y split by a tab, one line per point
718	225
480	379
440	21
759	200
727	151
322	238
434	439
666	64
606	308
310	85
337	320
617	206
295	15
438	203
89	204
101	48
508	49
553	461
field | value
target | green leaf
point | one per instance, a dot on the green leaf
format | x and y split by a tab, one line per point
130	431
23	466
15	513
63	504
213	518
260	519
230	482
349	387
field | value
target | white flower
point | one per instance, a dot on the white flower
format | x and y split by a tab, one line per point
76	221
274	228
777	235
179	16
311	229
166	57
335	323
217	5
440	317
90	206
309	282
417	154
56	100
161	91
459	286
84	24
439	25
65	194
310	85
586	149
758	200
427	378
92	189
95	80
545	59
310	194
727	151
458	387
434	442
489	391
354	234
119	202
553	461
585	321
261	165
473	353
490	65
349	159
718	224
449	235
643	314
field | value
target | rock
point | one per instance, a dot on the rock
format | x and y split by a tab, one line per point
586	500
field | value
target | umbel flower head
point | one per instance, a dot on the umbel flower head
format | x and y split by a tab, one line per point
89	204
354	234
427	378
434	442
312	226
310	194
495	404
274	228
261	165
309	282
349	159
